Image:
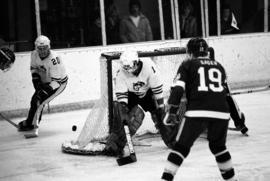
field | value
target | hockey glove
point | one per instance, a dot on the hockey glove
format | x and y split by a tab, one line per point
171	118
36	80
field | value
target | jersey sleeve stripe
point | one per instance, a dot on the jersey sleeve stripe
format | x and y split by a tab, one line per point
60	80
157	88
120	93
179	83
158	92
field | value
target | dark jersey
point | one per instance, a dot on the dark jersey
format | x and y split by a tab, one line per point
205	83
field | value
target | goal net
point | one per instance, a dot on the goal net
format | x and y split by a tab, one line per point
96	129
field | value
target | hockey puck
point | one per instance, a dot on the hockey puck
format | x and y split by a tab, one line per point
74	128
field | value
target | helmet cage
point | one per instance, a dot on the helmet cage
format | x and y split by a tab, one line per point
130	66
43	46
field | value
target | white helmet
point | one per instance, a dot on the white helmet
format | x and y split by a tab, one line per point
43	46
129	60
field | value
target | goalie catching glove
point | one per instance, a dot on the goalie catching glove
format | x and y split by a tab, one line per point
7	58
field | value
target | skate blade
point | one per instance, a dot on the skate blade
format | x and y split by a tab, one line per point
32	134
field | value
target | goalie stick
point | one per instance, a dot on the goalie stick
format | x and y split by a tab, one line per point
132	155
261	89
8	120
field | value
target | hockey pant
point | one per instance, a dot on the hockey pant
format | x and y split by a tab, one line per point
37	105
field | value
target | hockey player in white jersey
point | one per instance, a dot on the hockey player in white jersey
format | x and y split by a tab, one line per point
137	86
49	80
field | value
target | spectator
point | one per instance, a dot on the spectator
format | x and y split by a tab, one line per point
3	43
95	36
188	23
135	27
228	21
112	24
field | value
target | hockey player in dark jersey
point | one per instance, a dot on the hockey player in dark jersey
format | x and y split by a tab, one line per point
204	82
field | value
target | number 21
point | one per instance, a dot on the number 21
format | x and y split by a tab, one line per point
214	76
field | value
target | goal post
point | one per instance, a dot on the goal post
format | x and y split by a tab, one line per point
98	123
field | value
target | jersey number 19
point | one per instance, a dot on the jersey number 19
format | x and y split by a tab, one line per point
215	80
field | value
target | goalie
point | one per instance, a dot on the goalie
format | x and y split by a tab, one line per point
7	58
138	88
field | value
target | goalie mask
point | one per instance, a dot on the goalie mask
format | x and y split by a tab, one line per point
7	58
42	45
197	47
129	61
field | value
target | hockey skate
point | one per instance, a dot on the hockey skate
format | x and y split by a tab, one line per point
22	127
32	134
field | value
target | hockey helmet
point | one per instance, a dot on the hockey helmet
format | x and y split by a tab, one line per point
197	47
43	46
129	61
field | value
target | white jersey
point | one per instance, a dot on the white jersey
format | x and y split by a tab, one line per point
148	78
50	69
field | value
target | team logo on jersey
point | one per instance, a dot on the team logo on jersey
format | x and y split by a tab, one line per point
176	78
138	85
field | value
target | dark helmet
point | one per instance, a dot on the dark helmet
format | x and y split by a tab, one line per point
7	58
197	47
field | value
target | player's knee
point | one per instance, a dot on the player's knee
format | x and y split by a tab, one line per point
34	101
184	150
215	149
220	152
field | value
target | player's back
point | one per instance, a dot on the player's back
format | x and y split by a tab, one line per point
205	85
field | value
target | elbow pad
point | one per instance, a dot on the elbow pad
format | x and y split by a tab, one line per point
176	95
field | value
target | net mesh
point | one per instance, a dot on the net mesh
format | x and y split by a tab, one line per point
96	127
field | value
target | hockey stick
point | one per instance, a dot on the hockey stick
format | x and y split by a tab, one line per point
8	120
235	129
132	155
251	90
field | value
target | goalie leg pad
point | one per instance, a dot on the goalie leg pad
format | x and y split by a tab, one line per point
117	138
136	118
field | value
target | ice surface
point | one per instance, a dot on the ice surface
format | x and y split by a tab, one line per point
41	159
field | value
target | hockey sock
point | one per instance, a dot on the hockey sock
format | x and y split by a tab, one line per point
224	162
174	161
